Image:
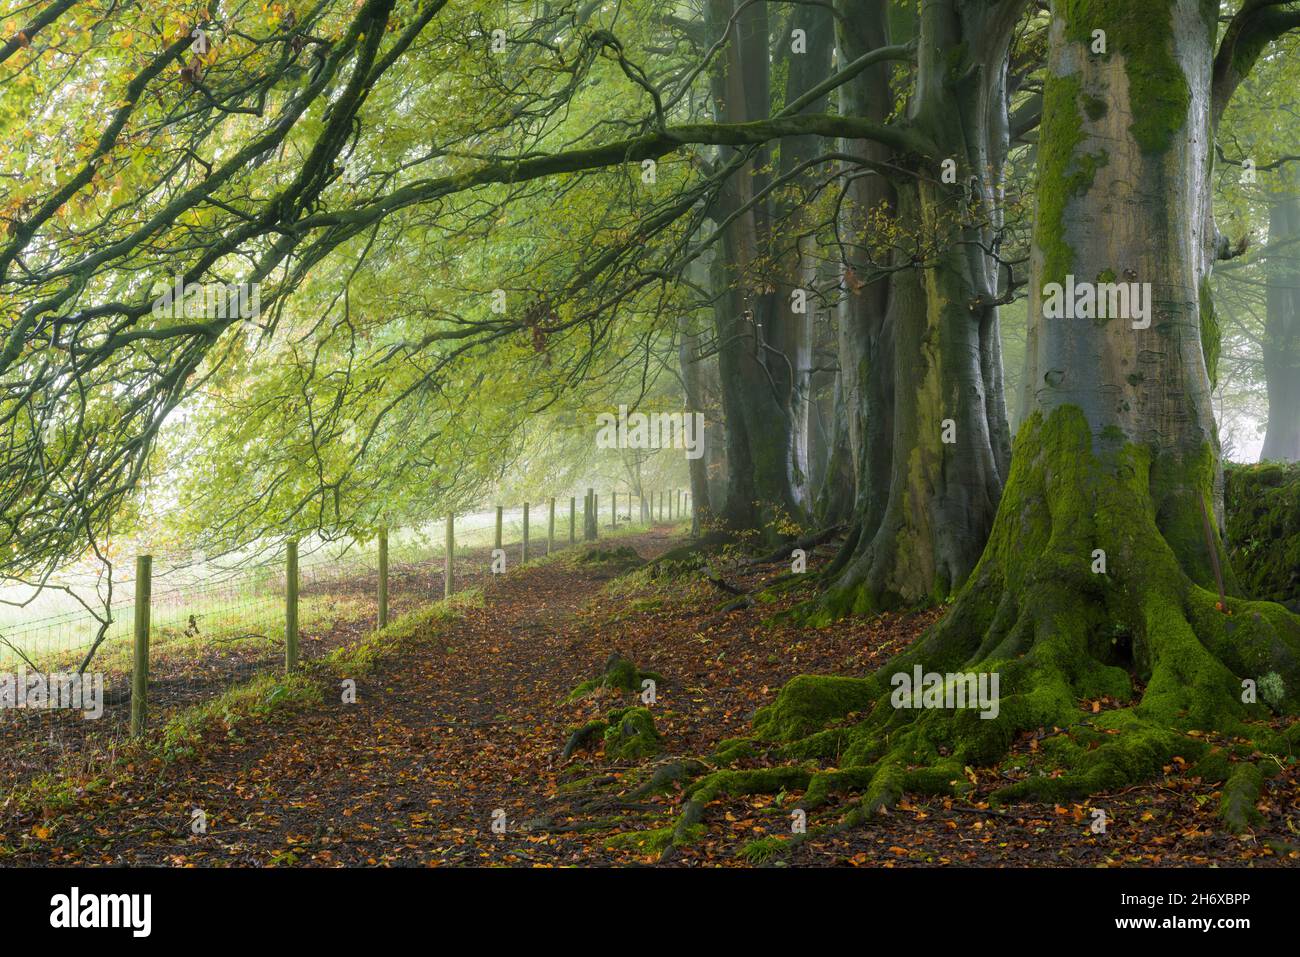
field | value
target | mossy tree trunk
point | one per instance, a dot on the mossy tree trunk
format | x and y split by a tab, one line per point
1103	572
1149	387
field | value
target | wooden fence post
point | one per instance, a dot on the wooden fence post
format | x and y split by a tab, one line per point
140	669
497	540
573	518
525	552
550	527
291	606
447	573
383	577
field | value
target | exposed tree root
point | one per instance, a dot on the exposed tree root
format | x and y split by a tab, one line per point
807	543
733	783
691	554
619	674
667	774
744	601
717	581
1237	806
1080	596
628	734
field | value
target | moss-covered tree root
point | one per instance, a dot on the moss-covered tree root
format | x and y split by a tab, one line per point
619	674
1094	586
628	734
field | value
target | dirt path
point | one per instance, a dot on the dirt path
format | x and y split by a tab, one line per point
410	774
32	741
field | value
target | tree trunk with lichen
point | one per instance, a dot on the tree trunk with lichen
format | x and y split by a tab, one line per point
1099	579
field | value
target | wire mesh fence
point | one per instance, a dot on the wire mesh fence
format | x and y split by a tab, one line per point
212	626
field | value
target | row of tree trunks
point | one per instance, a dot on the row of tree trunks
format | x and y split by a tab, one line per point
922	359
921	444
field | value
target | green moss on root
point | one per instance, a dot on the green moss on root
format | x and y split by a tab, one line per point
656	840
732	750
1237	804
1056	632
631	735
620	674
808	702
628	734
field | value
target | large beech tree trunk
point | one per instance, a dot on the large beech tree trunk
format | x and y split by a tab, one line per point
1148	387
789	345
1103	571
858	472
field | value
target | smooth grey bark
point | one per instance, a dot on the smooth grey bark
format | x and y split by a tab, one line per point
762	347
790	346
858	471
1150	386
